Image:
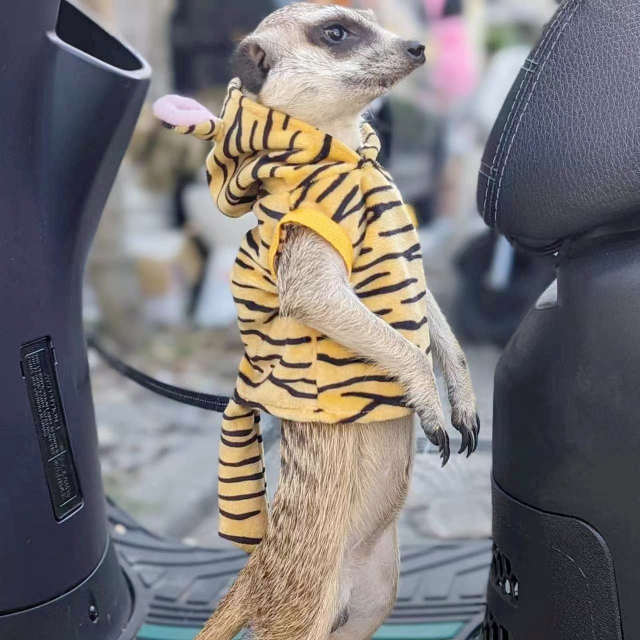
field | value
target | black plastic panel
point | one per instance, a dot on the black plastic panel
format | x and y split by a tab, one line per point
566	437
78	30
69	113
97	609
566	582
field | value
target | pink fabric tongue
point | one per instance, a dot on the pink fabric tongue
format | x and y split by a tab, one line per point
181	112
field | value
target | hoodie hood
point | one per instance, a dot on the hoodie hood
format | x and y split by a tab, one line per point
256	147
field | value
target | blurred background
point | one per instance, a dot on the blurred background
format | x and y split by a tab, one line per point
156	290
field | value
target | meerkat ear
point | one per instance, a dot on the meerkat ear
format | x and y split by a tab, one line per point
250	64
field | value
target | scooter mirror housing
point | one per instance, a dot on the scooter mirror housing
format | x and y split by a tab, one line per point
70	95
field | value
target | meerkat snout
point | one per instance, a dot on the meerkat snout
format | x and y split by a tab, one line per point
320	63
416	51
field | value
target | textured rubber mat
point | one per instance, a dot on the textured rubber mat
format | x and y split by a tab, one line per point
180	585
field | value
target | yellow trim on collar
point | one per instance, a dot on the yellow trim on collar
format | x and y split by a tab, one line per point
325	227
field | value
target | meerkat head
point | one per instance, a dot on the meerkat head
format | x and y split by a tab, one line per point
323	63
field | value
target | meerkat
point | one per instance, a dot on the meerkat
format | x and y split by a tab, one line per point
338	324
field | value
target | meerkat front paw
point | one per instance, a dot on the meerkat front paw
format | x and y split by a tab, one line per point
422	394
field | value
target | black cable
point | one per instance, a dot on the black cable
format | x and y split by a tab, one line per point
185	396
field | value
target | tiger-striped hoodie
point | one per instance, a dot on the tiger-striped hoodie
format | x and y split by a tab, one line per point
288	172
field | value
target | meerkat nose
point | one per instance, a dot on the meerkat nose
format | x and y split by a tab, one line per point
416	51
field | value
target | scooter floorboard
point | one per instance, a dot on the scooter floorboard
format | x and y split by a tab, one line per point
441	596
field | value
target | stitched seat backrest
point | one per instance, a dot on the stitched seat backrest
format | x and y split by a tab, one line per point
564	156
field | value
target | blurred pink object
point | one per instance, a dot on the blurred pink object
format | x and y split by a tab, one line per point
454	71
434	8
180	111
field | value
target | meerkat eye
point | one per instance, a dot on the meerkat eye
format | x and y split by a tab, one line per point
336	33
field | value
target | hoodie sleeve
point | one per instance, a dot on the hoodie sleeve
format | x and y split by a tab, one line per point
334	209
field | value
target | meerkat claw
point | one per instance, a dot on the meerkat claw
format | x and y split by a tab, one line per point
445	450
469	436
440	438
476	432
467	441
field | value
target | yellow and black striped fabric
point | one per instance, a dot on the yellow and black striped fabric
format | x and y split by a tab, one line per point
242	489
288	172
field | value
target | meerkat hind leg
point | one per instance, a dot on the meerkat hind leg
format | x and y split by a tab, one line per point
375	584
385	452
